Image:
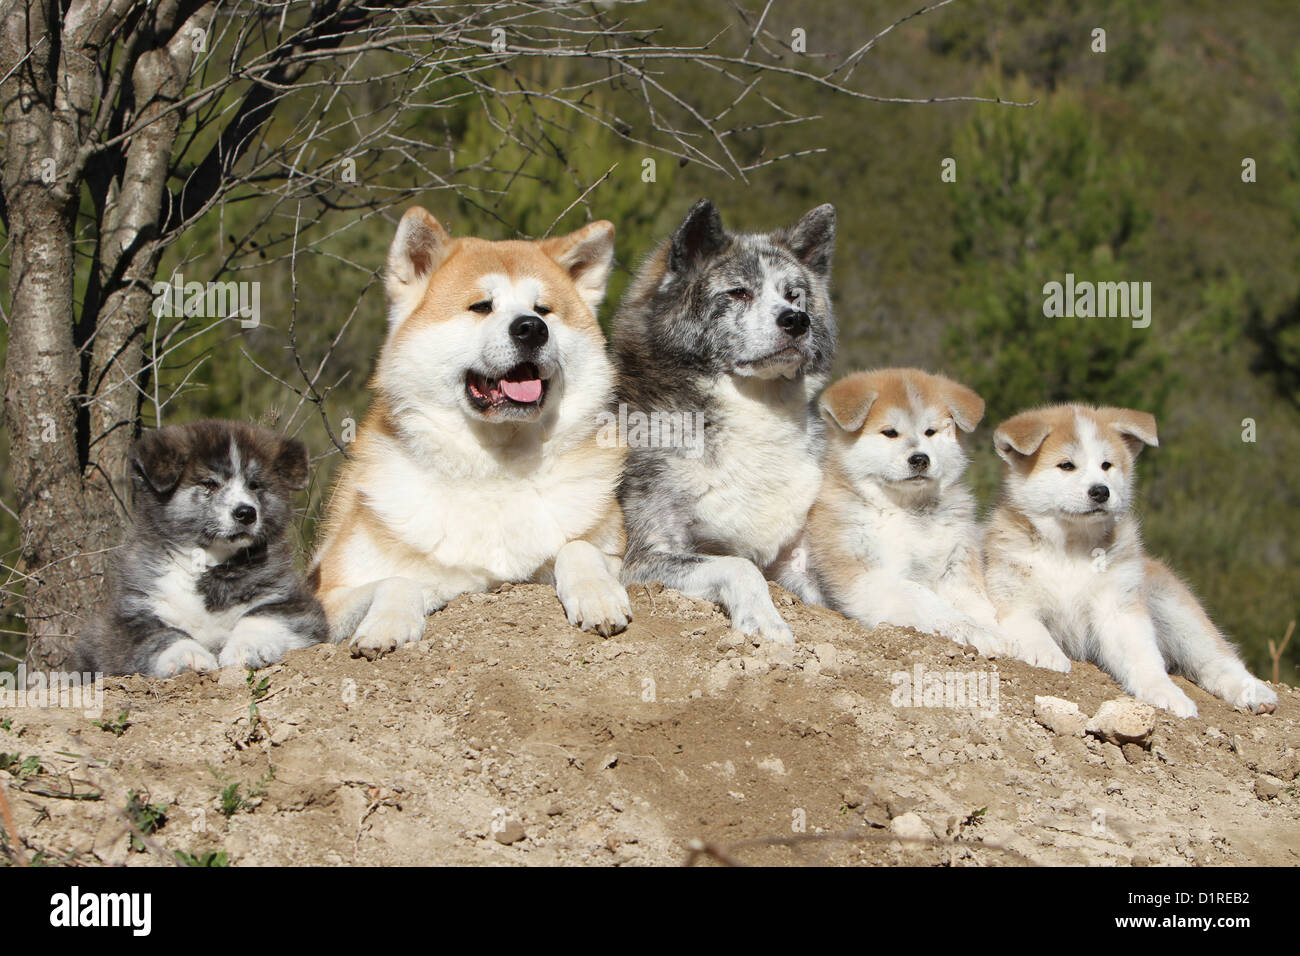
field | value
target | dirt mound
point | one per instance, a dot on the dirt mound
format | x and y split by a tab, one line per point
505	736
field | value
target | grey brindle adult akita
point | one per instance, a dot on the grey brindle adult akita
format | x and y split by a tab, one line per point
738	328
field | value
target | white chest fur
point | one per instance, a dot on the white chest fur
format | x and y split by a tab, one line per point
918	546
759	474
494	527
1072	589
178	603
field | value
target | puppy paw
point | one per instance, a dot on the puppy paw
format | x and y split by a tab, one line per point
184	655
1047	656
597	604
1255	696
983	640
386	627
1169	697
256	642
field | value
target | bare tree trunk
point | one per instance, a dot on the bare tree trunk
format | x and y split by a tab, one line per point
61	542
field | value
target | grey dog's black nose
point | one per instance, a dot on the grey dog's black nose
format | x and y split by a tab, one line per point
793	322
1099	493
245	514
529	331
919	461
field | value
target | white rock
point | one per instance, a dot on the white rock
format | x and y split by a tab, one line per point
1123	721
1060	716
909	826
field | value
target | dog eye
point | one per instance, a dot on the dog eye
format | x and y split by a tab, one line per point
542	309
1106	466
207	484
890	432
740	294
929	433
1066	466
482	308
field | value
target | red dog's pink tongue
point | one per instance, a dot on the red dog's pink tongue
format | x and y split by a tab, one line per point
527	391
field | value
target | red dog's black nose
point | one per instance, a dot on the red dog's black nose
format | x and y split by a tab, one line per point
529	331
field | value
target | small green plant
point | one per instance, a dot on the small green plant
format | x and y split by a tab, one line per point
257	690
7	724
232	801
209	858
21	767
146	817
115	727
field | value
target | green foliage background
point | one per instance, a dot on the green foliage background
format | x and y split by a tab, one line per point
1128	168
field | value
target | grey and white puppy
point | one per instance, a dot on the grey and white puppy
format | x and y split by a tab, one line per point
206	577
738	330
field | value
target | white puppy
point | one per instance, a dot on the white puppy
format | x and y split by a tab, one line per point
1066	570
893	536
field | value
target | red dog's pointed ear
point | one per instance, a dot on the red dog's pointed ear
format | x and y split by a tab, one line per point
418	248
1020	437
158	459
847	403
1136	429
587	255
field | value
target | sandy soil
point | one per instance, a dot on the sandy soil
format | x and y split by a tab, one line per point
507	737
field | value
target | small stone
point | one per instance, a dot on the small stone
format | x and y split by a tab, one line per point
1123	721
1060	716
1133	753
910	826
772	764
828	657
1266	787
729	641
512	831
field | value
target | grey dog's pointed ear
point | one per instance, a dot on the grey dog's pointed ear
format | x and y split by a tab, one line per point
292	465
158	458
812	239
700	236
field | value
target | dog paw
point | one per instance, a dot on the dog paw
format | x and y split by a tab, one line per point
1255	696
1047	656
1170	698
983	640
255	645
387	627
185	655
596	604
762	622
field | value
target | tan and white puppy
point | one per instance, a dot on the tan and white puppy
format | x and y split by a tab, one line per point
893	536
1066	569
478	463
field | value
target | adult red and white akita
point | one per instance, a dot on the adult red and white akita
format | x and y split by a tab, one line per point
478	461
